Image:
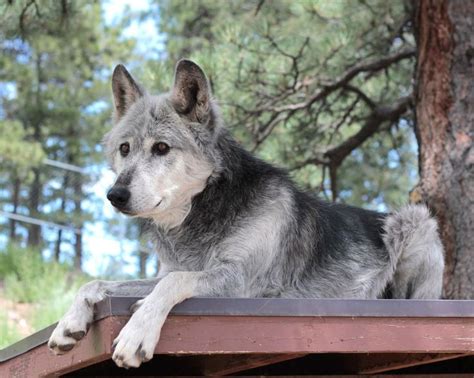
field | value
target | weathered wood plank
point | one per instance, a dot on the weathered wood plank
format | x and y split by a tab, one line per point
40	361
266	337
301	335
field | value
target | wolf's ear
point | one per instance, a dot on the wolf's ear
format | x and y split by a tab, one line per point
191	93
126	91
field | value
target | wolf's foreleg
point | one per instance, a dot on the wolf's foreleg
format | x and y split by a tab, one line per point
137	340
75	323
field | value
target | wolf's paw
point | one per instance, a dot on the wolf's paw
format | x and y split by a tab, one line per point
70	329
136	341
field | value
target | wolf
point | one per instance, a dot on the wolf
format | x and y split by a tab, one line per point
227	224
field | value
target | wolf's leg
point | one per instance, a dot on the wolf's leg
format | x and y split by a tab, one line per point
412	239
136	342
75	323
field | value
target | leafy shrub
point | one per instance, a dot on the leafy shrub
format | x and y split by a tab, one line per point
49	286
33	280
8	332
8	260
50	310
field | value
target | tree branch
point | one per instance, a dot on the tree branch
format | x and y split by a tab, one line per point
23	15
371	104
334	156
259	6
342	81
376	118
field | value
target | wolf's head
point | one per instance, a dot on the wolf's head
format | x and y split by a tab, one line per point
161	146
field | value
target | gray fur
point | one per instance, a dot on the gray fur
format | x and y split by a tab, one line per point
228	224
411	238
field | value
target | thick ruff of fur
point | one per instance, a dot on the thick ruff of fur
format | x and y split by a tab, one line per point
228	224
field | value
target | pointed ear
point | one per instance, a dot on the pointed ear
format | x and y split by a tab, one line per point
126	91
191	93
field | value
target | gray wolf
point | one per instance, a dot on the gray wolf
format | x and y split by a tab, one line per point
228	224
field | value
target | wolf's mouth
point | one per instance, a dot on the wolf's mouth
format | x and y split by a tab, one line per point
133	214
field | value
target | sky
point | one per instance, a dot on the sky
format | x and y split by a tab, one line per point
150	42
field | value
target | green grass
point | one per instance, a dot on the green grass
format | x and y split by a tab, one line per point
8	331
50	311
49	286
8	261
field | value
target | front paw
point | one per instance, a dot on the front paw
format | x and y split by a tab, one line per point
70	329
136	341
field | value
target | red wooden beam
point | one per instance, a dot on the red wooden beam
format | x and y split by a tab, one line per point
302	335
266	338
40	362
191	335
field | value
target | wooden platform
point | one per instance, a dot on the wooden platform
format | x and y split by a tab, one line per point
210	336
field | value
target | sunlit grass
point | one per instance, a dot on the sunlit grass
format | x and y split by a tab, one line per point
49	288
8	331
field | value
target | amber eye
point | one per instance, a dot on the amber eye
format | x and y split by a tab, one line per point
160	148
124	149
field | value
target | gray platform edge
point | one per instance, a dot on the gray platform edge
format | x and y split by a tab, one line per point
394	308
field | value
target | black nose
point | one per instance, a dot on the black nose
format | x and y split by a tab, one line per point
118	196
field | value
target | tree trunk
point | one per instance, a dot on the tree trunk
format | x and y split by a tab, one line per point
57	246
142	259
445	131
57	249
16	202
78	252
78	194
34	231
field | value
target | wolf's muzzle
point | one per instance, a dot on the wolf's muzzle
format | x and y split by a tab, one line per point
118	196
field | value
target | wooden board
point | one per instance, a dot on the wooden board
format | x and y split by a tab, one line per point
228	344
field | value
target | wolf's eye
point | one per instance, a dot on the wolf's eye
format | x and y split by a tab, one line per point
160	148
124	149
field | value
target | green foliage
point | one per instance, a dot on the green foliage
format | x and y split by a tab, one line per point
29	279
8	331
8	261
55	65
49	310
48	286
24	17
263	56
15	150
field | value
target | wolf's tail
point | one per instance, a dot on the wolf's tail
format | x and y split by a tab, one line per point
411	237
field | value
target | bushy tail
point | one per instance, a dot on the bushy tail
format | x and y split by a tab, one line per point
411	237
